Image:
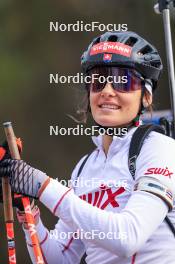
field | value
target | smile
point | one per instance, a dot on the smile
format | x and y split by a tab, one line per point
110	106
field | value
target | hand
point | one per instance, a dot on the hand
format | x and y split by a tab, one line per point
21	216
16	199
22	177
4	154
4	149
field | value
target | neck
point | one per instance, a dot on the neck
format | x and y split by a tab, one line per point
107	140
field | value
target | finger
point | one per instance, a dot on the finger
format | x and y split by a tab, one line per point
6	162
5	144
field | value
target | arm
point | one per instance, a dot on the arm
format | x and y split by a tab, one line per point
58	243
131	221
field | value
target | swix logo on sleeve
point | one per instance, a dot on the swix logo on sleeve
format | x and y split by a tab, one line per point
112	47
165	172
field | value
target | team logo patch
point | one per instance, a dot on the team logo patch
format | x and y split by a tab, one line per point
107	57
161	171
111	47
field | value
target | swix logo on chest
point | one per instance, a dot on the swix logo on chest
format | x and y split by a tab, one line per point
104	197
111	47
162	171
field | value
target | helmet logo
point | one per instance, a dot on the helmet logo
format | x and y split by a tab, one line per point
112	47
107	57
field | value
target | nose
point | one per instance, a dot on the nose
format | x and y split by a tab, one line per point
108	90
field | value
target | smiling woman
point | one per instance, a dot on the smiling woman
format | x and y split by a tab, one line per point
127	219
112	108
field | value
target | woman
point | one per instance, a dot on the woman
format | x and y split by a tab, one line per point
115	219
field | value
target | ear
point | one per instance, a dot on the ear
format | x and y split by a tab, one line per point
147	99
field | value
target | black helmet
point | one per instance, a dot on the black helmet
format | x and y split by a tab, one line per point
124	49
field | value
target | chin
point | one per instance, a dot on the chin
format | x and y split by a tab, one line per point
107	122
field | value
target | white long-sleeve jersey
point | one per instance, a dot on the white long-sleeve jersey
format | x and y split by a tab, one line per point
105	215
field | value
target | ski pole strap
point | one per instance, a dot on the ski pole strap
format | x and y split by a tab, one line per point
137	142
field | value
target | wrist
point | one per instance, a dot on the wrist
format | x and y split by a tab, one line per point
43	186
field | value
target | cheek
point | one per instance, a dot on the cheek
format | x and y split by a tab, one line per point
93	98
131	101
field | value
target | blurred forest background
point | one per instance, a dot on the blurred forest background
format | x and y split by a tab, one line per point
29	52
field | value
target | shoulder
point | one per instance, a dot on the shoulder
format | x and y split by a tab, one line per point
160	138
158	151
77	167
155	166
157	158
157	148
158	144
82	162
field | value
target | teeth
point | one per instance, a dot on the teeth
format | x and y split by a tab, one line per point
109	106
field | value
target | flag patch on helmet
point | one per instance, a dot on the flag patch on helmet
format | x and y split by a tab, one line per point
107	57
112	47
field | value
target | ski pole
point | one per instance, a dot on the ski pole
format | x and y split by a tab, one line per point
9	220
163	6
11	139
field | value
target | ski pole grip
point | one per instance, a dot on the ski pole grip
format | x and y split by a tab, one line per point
11	140
7	200
7	196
